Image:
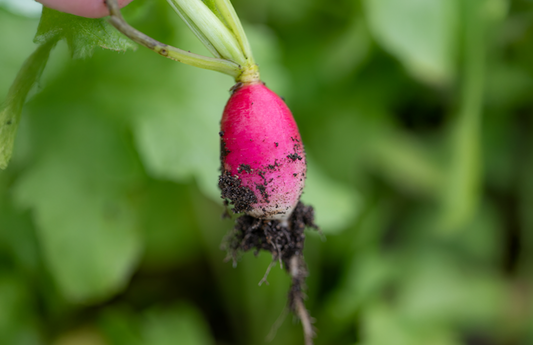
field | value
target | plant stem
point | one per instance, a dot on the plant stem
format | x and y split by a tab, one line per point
212	28
11	110
230	16
215	64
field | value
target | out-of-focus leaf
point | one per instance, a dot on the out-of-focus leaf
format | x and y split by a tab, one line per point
78	194
183	324
82	34
120	326
462	187
16	320
336	205
437	291
421	33
348	52
364	281
174	324
81	336
170	235
11	110
406	163
381	326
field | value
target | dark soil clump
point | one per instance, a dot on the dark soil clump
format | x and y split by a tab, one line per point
285	241
239	196
295	156
282	241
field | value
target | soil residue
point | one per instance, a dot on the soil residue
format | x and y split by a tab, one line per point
244	167
282	241
285	241
294	157
239	196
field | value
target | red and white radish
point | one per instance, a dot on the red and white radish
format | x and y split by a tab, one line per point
262	156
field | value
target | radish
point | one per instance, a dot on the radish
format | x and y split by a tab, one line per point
263	164
262	156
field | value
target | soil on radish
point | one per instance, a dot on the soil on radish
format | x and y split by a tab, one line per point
284	241
241	197
271	235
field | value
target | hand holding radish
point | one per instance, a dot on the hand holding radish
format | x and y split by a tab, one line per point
83	8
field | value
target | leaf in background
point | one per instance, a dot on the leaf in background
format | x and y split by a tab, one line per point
182	324
78	191
82	34
383	326
420	33
17	324
462	189
336	205
11	110
178	140
364	281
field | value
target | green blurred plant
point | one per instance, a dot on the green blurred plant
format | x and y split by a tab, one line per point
416	118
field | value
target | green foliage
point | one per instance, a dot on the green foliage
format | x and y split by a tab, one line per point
82	34
416	121
11	110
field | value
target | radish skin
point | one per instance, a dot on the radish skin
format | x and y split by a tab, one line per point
262	155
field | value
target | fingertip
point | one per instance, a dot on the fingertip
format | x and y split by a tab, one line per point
82	8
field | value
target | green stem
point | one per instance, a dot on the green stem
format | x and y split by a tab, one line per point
215	64
230	16
212	28
462	190
12	108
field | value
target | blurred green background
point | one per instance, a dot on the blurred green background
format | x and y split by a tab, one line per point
416	118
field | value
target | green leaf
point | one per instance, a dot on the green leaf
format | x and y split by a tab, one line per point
82	34
183	324
421	33
78	190
11	110
336	205
17	319
460	197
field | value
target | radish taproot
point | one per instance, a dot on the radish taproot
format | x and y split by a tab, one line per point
263	165
262	156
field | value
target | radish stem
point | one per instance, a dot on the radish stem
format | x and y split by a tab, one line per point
230	16
212	28
215	64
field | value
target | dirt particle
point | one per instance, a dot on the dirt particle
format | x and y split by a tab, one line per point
223	151
294	157
263	192
235	87
244	167
277	144
221	133
262	175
